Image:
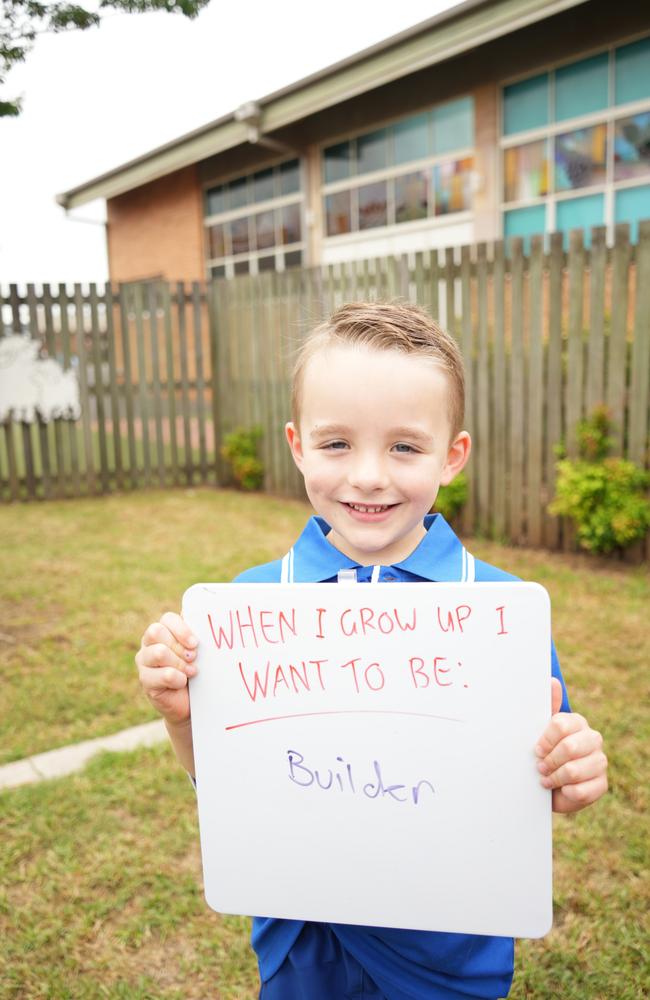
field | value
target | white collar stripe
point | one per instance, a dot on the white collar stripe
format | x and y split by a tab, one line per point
375	574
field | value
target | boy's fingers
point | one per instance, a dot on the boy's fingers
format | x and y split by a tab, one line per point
571	798
576	745
556	695
179	629
160	656
159	679
577	771
158	633
561	725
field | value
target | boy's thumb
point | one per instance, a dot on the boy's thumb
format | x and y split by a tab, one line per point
556	695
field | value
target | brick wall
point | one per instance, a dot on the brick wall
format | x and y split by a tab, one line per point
156	230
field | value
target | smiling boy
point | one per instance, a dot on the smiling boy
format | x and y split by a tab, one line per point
376	429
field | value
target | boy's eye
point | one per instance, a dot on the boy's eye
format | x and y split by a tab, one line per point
335	445
402	448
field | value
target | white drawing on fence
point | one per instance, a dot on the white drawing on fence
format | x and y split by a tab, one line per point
30	385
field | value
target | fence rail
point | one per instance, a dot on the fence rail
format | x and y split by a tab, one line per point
166	370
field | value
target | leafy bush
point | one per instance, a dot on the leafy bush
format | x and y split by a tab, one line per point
451	498
604	497
240	450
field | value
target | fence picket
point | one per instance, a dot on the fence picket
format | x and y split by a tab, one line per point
596	341
617	355
67	362
151	293
84	391
482	393
40	425
499	390
129	387
553	411
517	393
111	307
535	394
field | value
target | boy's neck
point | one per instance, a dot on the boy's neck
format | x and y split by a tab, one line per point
400	550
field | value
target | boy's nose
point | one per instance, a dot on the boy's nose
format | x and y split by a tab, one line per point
368	473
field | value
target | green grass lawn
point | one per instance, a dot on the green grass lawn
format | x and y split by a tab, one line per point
100	872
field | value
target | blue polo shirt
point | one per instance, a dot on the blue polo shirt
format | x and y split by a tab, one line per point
405	964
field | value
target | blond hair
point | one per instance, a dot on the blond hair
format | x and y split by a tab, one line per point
387	326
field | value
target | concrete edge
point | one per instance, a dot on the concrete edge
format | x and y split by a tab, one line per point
74	757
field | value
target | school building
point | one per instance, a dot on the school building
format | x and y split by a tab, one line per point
495	118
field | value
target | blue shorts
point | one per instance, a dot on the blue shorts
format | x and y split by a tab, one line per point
319	968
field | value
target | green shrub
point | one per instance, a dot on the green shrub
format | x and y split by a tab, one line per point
240	450
604	497
451	498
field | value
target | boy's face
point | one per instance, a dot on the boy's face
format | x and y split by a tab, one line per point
373	445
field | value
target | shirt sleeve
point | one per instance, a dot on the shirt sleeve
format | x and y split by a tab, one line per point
556	672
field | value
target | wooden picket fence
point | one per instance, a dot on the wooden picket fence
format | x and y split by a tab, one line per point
165	371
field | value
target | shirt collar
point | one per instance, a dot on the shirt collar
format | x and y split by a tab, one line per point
438	557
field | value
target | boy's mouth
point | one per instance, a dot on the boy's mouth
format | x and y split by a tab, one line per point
367	508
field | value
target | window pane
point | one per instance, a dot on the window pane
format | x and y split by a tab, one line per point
524	222
453	125
264	230
338	162
218	272
242	267
263	185
290	177
337	213
632	147
526	171
411	197
266	263
582	87
239	235
372	151
580	213
217	241
580	158
525	104
632	205
453	186
372	205
632	71
411	139
290	224
293	259
237	193
215	201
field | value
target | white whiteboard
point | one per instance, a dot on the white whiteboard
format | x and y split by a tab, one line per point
366	754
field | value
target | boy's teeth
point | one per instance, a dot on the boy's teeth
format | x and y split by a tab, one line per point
365	509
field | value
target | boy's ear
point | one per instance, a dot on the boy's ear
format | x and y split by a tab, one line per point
457	457
295	444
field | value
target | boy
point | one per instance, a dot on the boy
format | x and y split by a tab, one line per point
377	408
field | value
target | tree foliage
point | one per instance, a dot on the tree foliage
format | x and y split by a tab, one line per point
22	20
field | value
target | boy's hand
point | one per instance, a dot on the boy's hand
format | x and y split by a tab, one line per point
570	758
165	661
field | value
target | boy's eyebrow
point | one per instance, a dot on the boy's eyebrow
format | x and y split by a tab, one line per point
324	429
413	433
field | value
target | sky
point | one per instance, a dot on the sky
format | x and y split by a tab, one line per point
93	100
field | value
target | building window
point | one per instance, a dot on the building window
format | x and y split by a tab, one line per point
255	223
576	144
417	168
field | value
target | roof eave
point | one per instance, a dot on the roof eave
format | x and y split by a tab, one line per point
449	34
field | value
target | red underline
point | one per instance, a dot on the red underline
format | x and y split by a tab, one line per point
353	711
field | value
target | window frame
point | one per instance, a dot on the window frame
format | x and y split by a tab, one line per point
388	174
607	116
230	261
